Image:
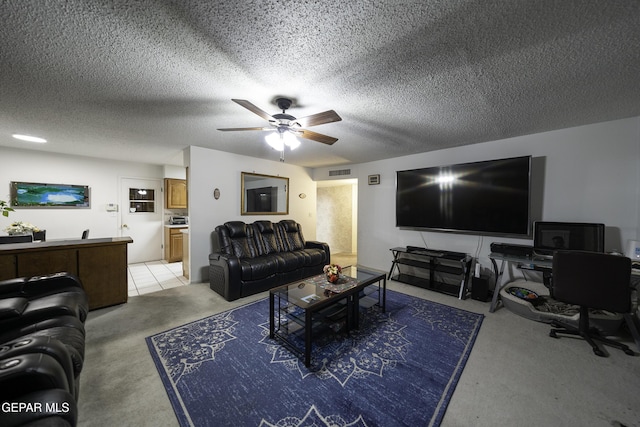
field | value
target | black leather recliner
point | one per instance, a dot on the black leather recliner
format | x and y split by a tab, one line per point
42	340
54	306
59	291
251	258
44	345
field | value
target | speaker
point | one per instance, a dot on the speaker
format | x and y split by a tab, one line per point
509	249
480	288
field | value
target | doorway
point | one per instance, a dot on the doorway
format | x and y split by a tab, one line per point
141	218
337	219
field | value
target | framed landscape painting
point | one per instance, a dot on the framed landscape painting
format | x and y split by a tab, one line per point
38	195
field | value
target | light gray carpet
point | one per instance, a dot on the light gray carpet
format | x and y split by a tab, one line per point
516	375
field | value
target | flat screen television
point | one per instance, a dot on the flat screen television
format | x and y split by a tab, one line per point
488	197
39	195
552	236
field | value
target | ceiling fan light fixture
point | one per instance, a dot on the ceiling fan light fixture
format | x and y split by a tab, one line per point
282	138
286	128
275	141
290	140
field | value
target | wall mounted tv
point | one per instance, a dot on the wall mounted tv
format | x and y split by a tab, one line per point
38	195
488	197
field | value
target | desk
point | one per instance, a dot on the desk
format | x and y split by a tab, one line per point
538	264
545	265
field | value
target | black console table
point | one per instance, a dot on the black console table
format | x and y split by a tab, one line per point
442	271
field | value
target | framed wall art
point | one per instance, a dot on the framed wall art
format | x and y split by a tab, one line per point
41	195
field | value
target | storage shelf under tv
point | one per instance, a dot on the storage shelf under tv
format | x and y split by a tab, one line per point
442	271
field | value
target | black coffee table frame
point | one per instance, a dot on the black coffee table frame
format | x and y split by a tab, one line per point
298	302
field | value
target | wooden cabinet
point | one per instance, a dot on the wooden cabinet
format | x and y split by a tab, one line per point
175	191
46	262
100	264
8	267
105	284
173	244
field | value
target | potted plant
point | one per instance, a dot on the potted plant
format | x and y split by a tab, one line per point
5	208
333	272
21	227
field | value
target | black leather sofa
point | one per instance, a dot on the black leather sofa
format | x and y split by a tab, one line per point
42	340
251	258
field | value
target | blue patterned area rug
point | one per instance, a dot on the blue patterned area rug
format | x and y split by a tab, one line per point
399	369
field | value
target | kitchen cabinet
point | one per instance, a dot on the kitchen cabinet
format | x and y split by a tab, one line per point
175	191
173	244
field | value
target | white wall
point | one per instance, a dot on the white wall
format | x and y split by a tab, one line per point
591	175
211	169
103	176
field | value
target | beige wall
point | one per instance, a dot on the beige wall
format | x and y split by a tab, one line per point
335	217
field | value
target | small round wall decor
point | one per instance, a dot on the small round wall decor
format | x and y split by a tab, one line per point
216	193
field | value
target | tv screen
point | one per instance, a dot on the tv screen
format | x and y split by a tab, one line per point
35	195
552	236
488	197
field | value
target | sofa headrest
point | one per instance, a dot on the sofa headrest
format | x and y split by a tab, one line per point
265	227
289	225
236	228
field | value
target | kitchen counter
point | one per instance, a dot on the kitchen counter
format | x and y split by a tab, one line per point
100	264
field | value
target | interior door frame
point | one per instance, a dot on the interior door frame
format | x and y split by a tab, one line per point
159	203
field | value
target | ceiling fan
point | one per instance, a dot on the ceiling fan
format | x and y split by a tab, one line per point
284	127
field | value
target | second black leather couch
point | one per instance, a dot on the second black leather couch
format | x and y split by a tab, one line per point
251	258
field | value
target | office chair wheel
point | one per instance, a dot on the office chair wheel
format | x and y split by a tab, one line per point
599	352
553	334
629	352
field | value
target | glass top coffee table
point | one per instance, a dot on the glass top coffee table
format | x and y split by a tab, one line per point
300	308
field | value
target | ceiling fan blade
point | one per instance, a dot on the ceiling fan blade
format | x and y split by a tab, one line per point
319	119
249	106
314	136
234	129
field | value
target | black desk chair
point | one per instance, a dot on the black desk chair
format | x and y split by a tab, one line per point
592	280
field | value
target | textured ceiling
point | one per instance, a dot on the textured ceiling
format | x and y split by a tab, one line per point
142	80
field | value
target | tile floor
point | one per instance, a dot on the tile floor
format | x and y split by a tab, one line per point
154	276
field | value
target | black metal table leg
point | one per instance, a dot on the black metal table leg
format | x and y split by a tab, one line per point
271	316
307	338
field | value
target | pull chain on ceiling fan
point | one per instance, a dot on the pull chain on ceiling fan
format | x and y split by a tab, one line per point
284	127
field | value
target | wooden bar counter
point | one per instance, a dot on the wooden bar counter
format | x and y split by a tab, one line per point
101	265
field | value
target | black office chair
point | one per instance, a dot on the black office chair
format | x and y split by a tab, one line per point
592	280
85	234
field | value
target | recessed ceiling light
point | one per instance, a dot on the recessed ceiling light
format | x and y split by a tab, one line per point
29	138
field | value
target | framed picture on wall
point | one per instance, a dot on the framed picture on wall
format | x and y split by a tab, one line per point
41	195
374	179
